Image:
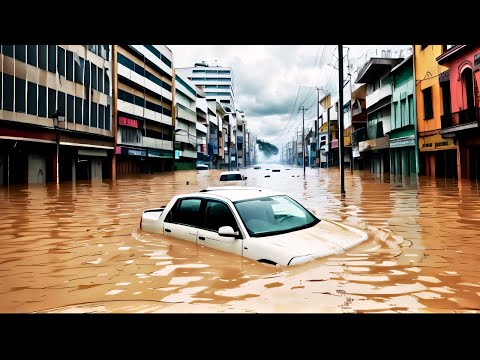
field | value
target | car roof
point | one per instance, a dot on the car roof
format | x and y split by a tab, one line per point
230	172
236	193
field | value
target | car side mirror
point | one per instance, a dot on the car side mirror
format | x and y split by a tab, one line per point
244	178
227	231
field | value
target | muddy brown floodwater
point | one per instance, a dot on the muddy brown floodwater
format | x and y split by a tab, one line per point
78	248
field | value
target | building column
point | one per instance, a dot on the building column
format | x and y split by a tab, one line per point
55	160
74	169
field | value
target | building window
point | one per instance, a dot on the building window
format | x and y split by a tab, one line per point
52	102
79	65
61	61
42	57
86	113
32	55
101	116
42	101
8	50
446	97
86	78
411	111
61	102
69	65
108	119
52	58
129	135
78	110
20	52
427	103
70	108
19	95
94	77
93	114
107	84
100	80
7	92
403	112
31	98
139	101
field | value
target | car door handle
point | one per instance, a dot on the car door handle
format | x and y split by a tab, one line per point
168	230
201	238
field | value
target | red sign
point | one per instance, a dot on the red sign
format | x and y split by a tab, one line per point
128	122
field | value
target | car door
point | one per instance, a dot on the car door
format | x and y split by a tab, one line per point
183	219
217	214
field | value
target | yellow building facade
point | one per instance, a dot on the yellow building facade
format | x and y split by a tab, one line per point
437	155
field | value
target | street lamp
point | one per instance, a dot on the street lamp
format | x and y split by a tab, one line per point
58	119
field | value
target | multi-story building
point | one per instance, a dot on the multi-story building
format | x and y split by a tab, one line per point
144	97
203	127
55	113
216	81
402	135
437	153
462	121
185	123
358	130
241	128
376	74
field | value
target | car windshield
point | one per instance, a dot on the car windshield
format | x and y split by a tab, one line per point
273	215
230	177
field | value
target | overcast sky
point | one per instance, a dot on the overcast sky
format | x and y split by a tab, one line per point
272	81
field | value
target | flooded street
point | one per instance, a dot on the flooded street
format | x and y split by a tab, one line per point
78	248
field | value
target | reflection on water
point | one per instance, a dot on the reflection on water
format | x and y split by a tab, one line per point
77	248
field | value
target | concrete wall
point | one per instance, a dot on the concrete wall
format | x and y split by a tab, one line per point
427	71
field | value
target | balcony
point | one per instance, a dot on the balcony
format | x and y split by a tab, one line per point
460	120
378	95
157	143
186	114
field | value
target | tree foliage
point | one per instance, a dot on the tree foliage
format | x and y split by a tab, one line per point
267	148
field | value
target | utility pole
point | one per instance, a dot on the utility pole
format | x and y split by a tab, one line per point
340	120
302	109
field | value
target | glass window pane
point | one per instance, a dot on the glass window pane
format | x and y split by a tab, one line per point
7	50
42	101
52	102
101	116
20	52
52	58
42	57
107	84
7	92
100	80
32	98
93	114
61	102
86	113
70	108
108	120
78	110
61	61
94	77
79	65
86	78
32	54
19	95
69	65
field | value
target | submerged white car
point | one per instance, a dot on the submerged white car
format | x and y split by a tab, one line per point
256	223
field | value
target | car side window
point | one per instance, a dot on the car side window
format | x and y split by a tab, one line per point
185	211
218	214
